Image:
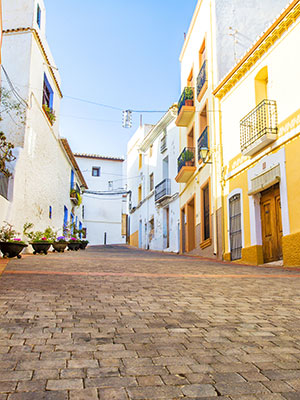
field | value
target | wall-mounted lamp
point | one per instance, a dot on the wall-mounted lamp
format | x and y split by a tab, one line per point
204	152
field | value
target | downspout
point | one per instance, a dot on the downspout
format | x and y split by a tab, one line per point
214	166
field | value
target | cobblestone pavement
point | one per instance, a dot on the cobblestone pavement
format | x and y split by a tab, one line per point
114	323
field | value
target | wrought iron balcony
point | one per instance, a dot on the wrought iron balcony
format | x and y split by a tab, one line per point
75	193
186	107
259	127
186	164
162	190
202	77
202	141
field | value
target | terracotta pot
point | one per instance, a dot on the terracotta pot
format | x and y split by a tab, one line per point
189	103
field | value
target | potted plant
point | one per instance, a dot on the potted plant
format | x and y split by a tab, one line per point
189	96
189	157
50	113
83	244
73	244
60	244
10	245
40	241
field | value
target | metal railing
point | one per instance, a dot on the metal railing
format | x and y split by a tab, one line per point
202	77
202	141
186	96
186	158
163	144
4	186
163	189
259	122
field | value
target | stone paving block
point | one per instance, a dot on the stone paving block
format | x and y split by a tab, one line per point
114	382
154	392
230	377
15	376
84	394
241	388
59	395
45	374
112	394
37	385
64	384
82	363
6	387
149	380
198	391
279	386
291	396
70	373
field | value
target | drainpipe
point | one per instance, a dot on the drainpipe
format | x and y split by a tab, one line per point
214	164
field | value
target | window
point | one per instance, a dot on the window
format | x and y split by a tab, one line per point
140	161
110	185
84	233
72	179
203	140
163	142
47	94
50	212
151	150
151	180
82	211
151	229
205	213
202	54
190	80
261	85
96	171
38	15
140	193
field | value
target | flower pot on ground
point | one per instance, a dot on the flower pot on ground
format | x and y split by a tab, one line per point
60	244
41	247
73	244
10	246
83	244
12	249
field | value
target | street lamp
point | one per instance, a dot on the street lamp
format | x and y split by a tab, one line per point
204	152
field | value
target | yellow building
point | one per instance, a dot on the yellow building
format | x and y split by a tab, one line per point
211	46
260	140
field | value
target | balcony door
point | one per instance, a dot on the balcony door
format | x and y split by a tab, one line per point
270	207
166	228
166	168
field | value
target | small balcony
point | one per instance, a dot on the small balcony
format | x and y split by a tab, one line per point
75	196
202	141
202	80
259	128
163	190
186	165
186	108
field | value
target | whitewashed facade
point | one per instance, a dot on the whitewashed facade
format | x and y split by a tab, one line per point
151	171
44	170
105	203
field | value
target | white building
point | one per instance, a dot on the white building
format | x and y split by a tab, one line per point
105	203
45	171
151	170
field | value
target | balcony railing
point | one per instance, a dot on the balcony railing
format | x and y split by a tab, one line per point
202	78
162	190
186	158
4	185
163	144
75	193
202	141
259	127
186	98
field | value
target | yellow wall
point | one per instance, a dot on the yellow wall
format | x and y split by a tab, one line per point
292	150
134	239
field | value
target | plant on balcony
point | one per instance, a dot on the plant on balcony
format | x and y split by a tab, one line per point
50	113
189	157
189	96
10	245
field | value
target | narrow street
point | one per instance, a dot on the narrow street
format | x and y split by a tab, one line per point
120	323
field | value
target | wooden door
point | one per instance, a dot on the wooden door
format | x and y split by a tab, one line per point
271	224
191	243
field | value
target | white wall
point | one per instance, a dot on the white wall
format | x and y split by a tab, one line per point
41	172
103	213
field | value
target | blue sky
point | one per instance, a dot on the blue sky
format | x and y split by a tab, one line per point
119	53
